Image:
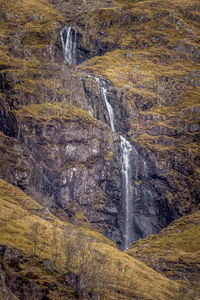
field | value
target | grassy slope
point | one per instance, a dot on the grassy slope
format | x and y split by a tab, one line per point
50	111
33	21
27	37
19	213
174	251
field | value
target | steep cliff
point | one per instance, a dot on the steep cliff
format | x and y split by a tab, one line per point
56	141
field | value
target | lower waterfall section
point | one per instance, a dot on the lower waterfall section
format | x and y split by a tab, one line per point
140	211
126	156
126	151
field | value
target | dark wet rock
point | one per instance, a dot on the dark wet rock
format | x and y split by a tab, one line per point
48	264
9	254
72	279
8	123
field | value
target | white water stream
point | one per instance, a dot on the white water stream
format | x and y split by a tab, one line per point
69	44
109	109
127	189
126	151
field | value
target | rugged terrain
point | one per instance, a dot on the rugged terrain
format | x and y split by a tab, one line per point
56	143
45	258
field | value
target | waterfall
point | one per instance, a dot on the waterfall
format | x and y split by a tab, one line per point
109	108
139	203
126	151
69	44
127	189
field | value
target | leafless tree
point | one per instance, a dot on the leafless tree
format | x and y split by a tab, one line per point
86	267
54	247
36	238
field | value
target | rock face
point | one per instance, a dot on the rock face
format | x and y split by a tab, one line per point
148	213
55	143
8	123
76	159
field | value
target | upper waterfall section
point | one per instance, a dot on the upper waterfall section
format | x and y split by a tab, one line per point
69	44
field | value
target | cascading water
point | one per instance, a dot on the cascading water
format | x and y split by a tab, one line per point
109	109
126	150
69	44
127	189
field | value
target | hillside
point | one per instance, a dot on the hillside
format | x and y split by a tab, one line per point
100	125
174	252
42	256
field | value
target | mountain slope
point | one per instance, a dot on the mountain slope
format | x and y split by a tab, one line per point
174	252
56	145
29	256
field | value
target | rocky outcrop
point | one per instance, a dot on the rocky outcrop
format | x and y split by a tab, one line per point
96	103
77	166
